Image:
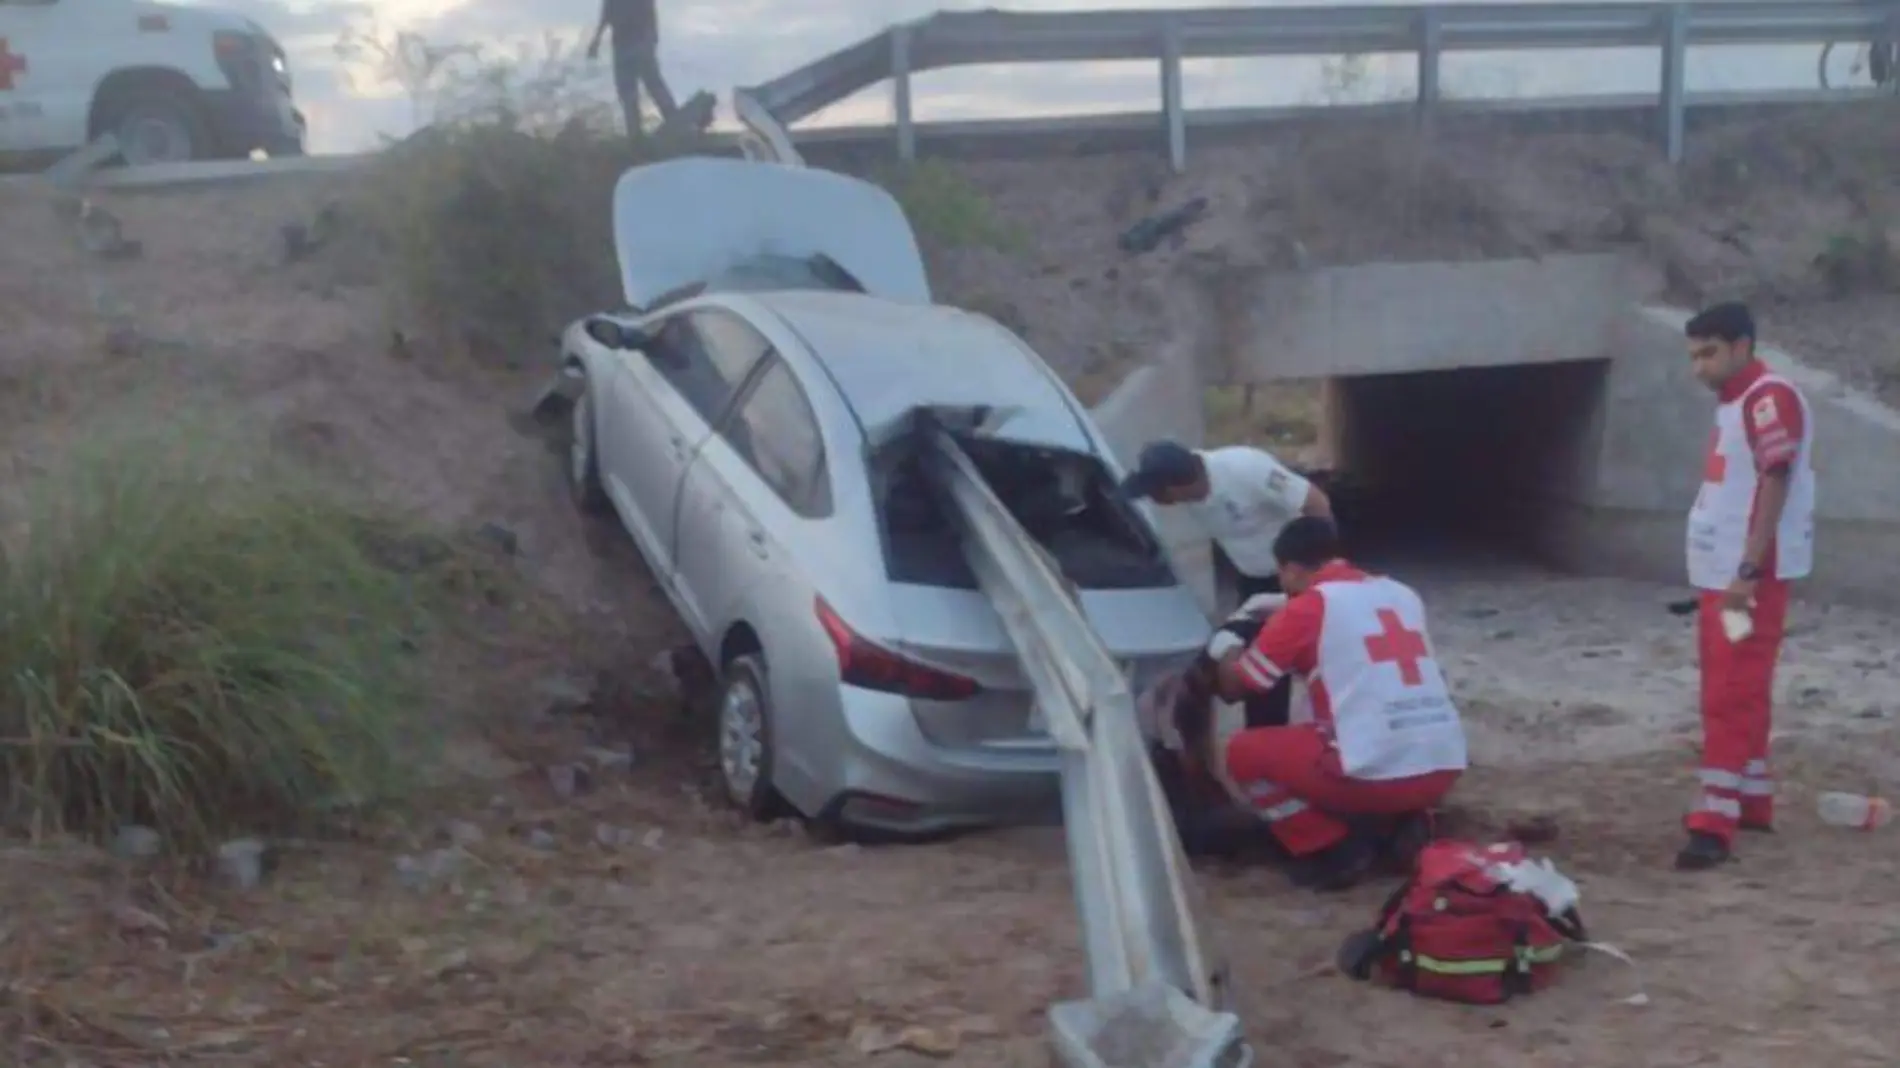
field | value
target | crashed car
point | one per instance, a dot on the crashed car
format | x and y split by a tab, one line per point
751	421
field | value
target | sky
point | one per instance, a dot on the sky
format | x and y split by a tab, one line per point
717	44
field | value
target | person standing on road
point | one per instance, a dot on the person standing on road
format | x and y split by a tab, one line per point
1751	532
1241	496
636	29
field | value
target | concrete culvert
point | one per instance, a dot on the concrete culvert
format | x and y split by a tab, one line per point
1468	464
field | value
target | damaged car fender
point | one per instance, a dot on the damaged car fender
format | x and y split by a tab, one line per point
575	350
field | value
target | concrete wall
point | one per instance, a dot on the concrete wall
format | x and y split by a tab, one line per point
1655	425
1399	317
1163	400
1631	461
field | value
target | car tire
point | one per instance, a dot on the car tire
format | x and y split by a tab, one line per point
742	720
583	458
161	127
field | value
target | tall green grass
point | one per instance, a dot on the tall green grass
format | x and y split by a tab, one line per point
196	638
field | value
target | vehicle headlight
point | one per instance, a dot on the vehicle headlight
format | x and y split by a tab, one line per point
277	64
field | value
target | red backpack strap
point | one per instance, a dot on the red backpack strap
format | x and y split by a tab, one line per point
1362	949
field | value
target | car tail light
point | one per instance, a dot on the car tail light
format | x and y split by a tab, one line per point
867	664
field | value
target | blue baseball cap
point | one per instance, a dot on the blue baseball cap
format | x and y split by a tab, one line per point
1162	464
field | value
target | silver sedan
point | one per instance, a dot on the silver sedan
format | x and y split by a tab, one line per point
752	426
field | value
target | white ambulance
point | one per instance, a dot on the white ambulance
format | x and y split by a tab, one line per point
174	83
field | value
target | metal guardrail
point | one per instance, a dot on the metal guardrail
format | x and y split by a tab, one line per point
951	39
1134	893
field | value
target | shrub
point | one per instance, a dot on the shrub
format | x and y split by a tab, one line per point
494	223
946	209
197	645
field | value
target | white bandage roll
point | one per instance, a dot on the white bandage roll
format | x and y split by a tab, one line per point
1262	604
1224	642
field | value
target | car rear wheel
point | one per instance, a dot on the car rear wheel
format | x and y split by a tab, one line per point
583	460
746	740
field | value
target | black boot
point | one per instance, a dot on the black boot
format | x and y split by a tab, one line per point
1703	852
1336	868
1406	842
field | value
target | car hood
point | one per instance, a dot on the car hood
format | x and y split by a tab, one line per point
680	222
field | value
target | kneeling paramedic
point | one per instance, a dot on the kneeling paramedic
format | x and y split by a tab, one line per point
1384	744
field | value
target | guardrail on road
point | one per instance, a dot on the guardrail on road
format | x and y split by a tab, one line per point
951	39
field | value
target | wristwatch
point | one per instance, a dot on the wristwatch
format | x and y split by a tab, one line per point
1748	572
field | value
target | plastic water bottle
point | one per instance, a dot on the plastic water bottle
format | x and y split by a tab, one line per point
1855	810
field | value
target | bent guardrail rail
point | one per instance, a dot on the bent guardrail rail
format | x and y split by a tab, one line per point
764	139
951	39
1152	985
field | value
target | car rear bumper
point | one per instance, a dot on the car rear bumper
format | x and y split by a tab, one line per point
243	120
891	779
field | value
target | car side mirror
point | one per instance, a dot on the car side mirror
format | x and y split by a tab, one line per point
618	336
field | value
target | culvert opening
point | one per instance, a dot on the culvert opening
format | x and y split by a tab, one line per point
1475	465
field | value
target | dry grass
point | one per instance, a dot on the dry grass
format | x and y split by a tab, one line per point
1281	415
491	224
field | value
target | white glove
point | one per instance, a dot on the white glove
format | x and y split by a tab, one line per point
1224	642
1260	604
1542	881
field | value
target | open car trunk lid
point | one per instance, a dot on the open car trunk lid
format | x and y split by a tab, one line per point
682	221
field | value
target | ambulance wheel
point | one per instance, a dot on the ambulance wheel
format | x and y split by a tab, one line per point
161	126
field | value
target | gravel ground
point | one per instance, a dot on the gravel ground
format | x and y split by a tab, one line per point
512	921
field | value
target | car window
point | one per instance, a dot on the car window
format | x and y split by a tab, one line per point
697	351
776	432
731	343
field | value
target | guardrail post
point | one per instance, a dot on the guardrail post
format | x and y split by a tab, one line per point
1675	45
900	92
1431	46
1173	109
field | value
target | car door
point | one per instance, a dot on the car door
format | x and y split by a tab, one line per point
704	517
765	471
662	404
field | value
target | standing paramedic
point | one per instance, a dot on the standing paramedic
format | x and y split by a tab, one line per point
636	28
1385	744
1751	531
1240	496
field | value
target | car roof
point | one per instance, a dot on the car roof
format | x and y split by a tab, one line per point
890	358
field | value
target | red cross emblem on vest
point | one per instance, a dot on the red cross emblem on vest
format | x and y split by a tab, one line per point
1394	643
1715	465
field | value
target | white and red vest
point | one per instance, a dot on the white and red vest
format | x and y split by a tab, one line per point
1718	521
1379	686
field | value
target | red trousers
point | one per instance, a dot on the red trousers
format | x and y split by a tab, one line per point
1738	681
1293	778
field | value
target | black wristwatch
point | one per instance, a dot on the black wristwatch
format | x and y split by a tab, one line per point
1748	572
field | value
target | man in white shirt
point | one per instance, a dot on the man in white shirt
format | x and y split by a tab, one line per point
1242	497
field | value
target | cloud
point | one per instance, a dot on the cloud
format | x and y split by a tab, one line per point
287	19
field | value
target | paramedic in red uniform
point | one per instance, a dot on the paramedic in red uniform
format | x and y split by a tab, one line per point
1751	531
1385	739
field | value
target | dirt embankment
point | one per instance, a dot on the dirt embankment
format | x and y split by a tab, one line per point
566	895
1796	212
